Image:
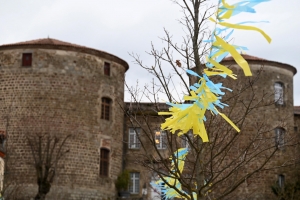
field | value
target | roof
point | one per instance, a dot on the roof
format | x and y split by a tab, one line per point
254	59
50	43
246	57
297	110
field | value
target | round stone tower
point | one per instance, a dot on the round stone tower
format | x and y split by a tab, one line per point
268	95
54	89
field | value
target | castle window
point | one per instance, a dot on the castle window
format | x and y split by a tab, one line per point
278	93
107	68
281	180
279	137
134	142
185	141
26	59
161	139
104	162
105	108
135	183
2	140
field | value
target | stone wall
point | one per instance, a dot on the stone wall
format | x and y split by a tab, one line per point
61	92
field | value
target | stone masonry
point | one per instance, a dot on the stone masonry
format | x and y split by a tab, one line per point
62	91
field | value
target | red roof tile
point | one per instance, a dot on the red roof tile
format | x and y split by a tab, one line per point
45	41
246	57
257	59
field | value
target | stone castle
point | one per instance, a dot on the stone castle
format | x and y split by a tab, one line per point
57	87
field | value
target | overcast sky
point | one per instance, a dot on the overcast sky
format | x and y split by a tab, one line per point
123	26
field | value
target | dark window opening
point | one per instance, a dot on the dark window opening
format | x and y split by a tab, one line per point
106	68
104	162
2	140
27	59
105	108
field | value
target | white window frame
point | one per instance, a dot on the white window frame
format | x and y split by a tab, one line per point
161	139
278	93
184	140
134	187
279	137
133	138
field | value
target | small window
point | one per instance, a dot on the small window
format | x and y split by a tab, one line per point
161	139
105	108
26	59
135	183
2	141
104	162
281	180
134	142
279	137
107	68
278	93
185	139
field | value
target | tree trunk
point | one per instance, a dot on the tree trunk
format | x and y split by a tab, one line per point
44	188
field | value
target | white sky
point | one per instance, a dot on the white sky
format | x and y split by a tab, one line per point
123	26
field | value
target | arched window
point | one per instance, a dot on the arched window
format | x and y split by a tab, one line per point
104	162
279	137
105	108
278	93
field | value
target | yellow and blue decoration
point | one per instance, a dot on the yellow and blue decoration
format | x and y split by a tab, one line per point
206	95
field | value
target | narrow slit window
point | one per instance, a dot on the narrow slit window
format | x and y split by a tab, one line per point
107	68
27	59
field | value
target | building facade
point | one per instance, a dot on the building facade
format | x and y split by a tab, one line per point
58	88
269	129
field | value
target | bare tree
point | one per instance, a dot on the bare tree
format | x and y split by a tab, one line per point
47	149
45	132
213	170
